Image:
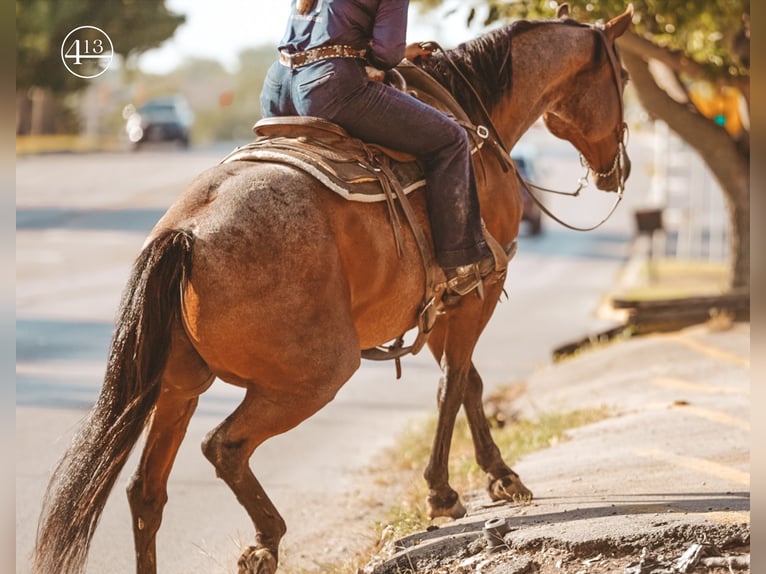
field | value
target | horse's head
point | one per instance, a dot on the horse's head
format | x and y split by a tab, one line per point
590	113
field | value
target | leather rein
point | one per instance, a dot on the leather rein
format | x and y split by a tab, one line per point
491	135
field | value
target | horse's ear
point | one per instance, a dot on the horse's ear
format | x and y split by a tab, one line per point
563	12
616	27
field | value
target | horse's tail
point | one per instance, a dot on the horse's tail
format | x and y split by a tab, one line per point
82	481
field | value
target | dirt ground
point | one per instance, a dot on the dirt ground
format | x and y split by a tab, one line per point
661	486
355	546
679	549
726	551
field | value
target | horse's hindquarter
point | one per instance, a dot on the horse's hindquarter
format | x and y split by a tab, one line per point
287	278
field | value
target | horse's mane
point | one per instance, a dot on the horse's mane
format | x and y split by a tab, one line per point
486	62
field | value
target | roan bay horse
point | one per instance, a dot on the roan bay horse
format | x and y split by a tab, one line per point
259	276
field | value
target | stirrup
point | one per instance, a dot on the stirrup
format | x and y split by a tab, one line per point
463	279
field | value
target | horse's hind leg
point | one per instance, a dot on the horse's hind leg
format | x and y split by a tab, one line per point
147	491
229	447
185	377
503	483
266	412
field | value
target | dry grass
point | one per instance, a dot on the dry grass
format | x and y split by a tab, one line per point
401	467
515	439
670	278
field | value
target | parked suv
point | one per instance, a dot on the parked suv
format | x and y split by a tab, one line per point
159	120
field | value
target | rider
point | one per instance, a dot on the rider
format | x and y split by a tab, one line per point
322	72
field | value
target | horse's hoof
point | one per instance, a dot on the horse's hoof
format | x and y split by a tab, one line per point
509	487
257	561
449	506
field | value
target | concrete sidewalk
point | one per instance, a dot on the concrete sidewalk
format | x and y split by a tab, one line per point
669	469
662	483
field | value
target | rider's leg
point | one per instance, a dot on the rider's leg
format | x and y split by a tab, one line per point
380	114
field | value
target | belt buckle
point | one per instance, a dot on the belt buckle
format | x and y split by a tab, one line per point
286	59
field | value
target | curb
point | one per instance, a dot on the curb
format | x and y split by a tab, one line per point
469	549
30	145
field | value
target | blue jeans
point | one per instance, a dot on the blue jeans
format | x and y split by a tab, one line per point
338	90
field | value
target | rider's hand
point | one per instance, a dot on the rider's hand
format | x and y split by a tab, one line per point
416	51
374	74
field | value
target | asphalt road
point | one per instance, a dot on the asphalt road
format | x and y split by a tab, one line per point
81	219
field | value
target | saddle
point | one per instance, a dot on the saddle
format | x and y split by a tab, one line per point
364	172
347	165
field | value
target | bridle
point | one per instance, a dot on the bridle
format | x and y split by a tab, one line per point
491	135
617	164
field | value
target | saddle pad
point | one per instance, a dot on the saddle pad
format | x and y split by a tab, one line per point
346	165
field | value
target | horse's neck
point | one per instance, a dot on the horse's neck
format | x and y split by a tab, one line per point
544	60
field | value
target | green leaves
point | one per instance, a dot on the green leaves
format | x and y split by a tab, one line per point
708	31
41	26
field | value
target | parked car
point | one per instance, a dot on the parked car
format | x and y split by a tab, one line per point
159	120
532	213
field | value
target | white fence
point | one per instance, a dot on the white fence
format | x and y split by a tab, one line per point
694	210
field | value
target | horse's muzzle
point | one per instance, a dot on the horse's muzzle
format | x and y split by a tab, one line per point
616	178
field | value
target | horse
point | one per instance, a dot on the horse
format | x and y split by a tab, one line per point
257	275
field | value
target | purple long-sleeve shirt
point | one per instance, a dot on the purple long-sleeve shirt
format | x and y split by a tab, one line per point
380	25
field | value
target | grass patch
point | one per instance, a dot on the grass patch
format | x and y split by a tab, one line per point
400	469
594	342
515	440
670	279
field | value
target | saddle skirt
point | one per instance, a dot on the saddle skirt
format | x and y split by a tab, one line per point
346	165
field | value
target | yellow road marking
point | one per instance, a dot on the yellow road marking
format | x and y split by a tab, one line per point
699	465
689	386
710	350
716	416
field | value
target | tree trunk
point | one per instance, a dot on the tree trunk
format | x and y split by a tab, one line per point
739	218
23	113
727	161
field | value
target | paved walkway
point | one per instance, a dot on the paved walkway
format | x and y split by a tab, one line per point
669	469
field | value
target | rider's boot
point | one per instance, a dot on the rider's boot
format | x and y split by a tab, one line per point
463	279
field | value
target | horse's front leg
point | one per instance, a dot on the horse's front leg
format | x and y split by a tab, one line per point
502	482
451	342
442	499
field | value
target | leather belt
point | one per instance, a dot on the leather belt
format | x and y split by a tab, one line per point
299	59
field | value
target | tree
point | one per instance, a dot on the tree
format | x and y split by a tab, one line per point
675	48
42	26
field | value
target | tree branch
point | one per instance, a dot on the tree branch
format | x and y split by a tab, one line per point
679	62
712	141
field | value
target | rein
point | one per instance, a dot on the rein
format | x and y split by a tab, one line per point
504	154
